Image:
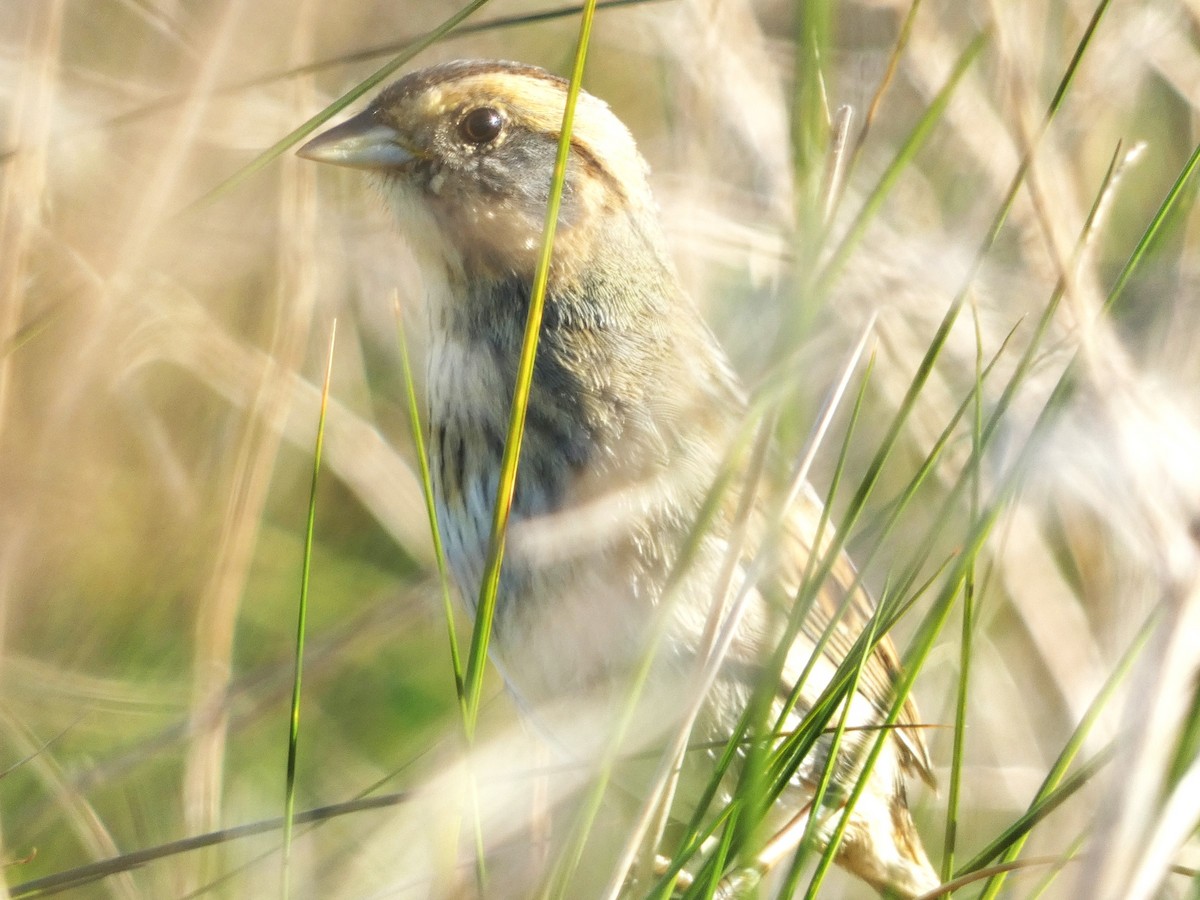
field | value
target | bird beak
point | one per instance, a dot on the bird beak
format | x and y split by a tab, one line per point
360	143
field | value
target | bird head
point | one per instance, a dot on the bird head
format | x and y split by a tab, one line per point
464	153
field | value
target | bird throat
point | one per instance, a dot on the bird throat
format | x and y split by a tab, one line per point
475	346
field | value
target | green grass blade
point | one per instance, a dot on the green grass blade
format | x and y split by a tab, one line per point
827	773
301	626
1035	814
1152	230
439	552
968	629
1074	745
486	608
801	608
933	626
302	131
89	873
489	588
712	883
1055	870
989	429
664	888
795	746
29	331
1188	745
810	105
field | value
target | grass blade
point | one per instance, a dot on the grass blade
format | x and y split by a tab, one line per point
301	626
302	131
486	608
1072	748
1152	230
439	552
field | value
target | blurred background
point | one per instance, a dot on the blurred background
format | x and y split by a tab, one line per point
162	348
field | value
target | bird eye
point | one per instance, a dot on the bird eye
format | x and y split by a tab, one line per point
481	125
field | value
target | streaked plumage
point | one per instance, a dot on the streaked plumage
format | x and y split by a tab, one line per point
633	409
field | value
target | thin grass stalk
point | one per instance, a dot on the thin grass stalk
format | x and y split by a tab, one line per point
980	865
439	552
711	646
897	506
797	745
31	330
829	854
697	832
364	800
889	75
665	887
1145	242
716	645
1071	853
1148	240
709	508
791	883
814	724
990	238
486	607
727	627
779	779
712	883
924	370
1063	386
89	873
908	150
926	636
1188	746
1150	235
810	107
811	120
289	805
695	835
1075	743
968	629
1008	394
826	779
761	760
758	757
949	887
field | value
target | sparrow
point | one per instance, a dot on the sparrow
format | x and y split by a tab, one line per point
632	415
